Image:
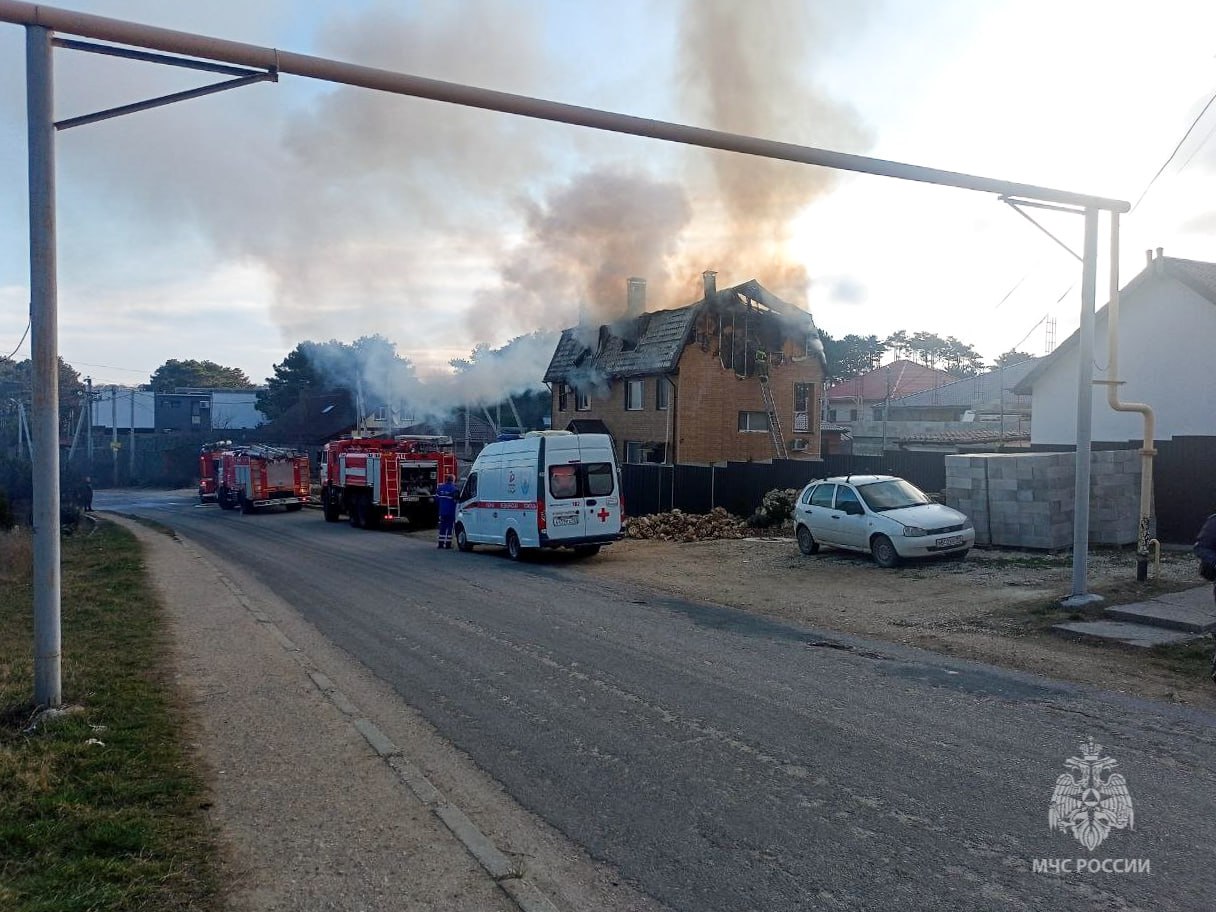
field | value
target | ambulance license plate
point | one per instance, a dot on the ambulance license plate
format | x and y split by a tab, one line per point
566	519
950	541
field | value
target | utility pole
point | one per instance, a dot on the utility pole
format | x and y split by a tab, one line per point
886	407
131	471
44	363
88	382
114	431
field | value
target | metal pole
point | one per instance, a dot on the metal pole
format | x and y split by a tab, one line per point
44	343
1085	413
76	436
174	42
88	382
131	470
114	431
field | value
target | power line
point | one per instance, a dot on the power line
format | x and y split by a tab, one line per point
1165	164
22	342
129	370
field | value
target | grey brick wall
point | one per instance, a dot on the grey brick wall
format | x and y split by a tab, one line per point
1025	500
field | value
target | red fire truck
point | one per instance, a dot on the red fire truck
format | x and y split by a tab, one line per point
211	470
252	476
372	479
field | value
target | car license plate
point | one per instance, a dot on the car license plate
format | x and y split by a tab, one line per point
566	519
950	541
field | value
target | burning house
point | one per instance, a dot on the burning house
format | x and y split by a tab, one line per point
737	376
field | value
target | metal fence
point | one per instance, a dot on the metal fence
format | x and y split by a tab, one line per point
738	487
1184	487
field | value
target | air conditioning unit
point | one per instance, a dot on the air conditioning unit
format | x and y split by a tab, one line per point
799	444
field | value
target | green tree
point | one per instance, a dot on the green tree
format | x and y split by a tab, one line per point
897	343
961	359
370	364
851	355
206	374
295	375
1012	357
17	385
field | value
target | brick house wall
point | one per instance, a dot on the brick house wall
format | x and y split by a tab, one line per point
646	425
707	420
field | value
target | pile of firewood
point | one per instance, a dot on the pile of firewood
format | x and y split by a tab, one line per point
679	526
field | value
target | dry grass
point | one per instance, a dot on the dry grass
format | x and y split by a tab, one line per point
102	808
16	557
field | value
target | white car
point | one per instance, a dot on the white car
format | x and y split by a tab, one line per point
884	515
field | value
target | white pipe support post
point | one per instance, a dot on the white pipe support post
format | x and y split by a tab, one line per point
1148	438
44	344
1085	414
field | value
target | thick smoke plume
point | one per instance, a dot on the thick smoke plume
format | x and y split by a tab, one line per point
745	71
373	213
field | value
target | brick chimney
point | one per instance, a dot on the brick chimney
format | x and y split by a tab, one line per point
636	301
711	284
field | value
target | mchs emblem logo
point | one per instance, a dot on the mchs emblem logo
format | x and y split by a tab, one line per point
1091	800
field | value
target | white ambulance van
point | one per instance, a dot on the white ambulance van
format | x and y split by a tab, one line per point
547	489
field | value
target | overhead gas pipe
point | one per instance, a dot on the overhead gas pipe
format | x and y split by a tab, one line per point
1112	384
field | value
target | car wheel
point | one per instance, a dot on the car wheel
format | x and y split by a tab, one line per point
884	552
222	499
462	539
358	512
514	549
329	505
806	541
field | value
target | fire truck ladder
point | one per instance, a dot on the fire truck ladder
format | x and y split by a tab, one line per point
774	423
392	486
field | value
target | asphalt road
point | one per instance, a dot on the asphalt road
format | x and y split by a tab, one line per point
723	761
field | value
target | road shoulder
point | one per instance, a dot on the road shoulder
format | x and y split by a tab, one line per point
310	813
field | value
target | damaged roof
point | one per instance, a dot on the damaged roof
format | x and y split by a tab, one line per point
653	342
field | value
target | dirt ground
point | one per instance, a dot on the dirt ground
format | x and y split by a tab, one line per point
995	606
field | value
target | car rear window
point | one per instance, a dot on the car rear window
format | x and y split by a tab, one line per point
563	481
592	479
599	478
822	495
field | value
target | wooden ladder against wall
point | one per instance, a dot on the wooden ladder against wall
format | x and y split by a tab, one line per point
774	423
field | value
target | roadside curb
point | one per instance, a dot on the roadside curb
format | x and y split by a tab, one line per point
507	875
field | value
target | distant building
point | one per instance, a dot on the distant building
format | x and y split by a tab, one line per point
851	400
185	409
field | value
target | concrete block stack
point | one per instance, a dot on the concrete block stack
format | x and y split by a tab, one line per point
1025	500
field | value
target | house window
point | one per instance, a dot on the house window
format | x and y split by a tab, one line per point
634	390
802	408
638	452
852	414
563	401
582	401
753	421
662	396
831	414
878	413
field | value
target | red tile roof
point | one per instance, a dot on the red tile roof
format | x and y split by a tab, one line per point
907	377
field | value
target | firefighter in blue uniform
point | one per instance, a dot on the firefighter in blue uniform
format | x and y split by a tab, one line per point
446	495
